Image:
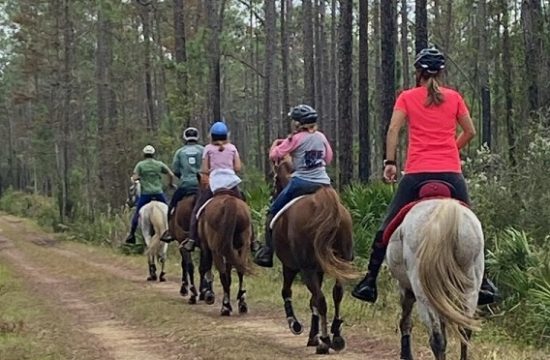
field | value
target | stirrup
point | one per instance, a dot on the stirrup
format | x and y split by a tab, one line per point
188	244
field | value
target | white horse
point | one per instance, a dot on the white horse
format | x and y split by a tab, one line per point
436	255
153	222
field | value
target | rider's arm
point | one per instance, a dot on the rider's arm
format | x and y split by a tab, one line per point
285	147
237	164
135	175
398	120
328	151
468	130
205	166
176	165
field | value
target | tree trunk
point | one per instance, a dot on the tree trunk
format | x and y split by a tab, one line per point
147	68
421	26
309	66
405	45
484	74
181	55
345	93
285	46
332	130
214	92
269	73
364	139
507	83
387	49
531	15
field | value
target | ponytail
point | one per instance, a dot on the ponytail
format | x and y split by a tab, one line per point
302	128
220	144
435	96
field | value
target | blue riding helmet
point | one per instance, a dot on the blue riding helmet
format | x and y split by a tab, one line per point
219	129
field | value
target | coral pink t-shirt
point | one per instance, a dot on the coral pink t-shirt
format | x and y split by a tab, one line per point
432	130
220	159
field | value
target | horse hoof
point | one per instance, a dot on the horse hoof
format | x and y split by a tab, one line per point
152	278
192	300
225	312
209	297
193	291
295	327
322	348
338	343
162	278
201	296
243	308
314	341
183	290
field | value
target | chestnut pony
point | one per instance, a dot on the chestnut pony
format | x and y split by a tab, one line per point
314	237
225	231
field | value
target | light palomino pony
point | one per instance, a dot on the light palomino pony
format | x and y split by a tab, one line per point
153	221
436	255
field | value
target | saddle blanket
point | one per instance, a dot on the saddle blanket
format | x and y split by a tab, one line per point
281	212
430	191
223	179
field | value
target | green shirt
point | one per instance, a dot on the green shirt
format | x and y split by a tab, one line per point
187	164
150	175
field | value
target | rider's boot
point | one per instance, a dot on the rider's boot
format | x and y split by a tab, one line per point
264	256
366	289
488	293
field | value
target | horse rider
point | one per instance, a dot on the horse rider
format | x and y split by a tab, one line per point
311	152
149	173
186	165
431	112
220	160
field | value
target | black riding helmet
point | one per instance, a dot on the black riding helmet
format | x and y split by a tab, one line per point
430	60
304	114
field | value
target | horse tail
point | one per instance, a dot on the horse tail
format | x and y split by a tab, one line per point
224	236
325	226
444	281
159	222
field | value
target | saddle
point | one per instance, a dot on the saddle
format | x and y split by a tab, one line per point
428	190
230	192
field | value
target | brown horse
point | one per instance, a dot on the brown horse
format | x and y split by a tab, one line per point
225	230
179	227
314	237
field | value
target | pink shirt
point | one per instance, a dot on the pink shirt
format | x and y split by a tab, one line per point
220	159
288	146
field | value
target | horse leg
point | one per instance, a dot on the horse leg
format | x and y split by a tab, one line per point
288	278
184	274
438	340
313	339
162	261
338	342
152	268
241	295
207	276
312	280
407	301
225	278
463	345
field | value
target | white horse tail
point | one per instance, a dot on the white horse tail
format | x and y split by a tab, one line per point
159	222
443	280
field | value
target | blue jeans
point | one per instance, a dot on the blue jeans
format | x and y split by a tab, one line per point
296	187
143	200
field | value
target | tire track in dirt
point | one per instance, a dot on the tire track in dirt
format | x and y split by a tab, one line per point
110	337
265	326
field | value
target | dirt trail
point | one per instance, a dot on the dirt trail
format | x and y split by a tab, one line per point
120	340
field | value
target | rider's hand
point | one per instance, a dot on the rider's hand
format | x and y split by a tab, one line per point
277	142
390	173
173	186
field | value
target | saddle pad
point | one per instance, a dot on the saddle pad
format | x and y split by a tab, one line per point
398	219
201	209
281	212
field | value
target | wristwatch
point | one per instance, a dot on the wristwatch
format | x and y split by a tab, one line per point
389	162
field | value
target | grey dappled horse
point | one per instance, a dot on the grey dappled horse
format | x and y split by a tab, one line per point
436	255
